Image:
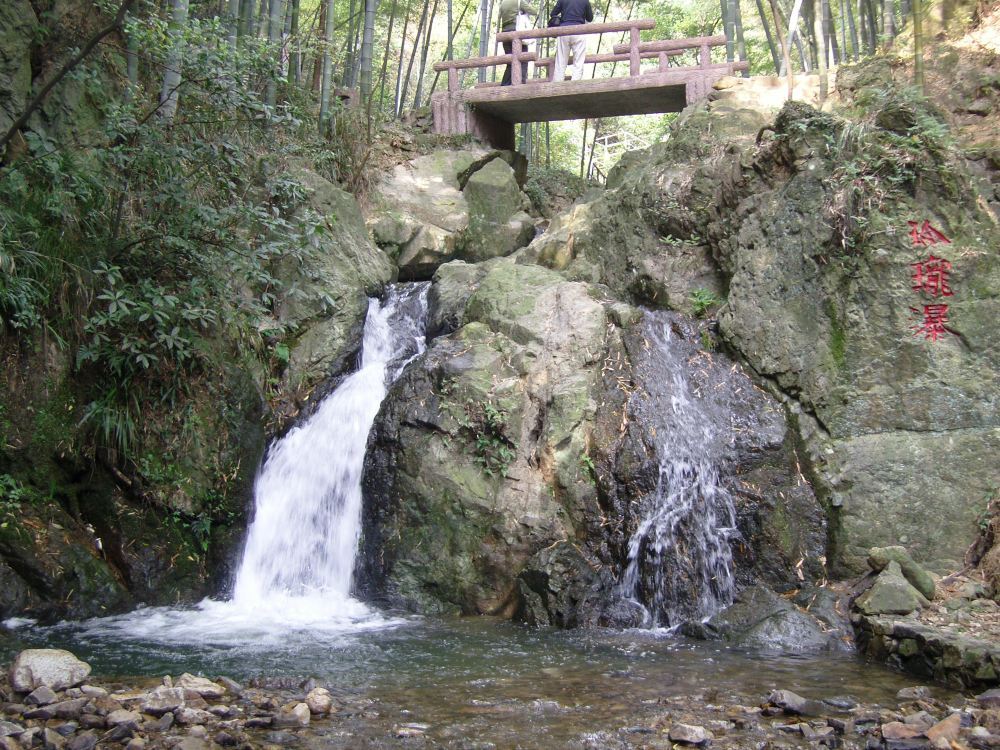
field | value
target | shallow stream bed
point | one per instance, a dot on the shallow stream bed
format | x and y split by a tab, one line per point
469	683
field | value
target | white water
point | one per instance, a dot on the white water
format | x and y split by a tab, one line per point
294	581
680	565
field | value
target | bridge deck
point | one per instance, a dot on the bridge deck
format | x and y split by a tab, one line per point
490	111
650	93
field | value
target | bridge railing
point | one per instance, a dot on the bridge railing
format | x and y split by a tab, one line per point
518	53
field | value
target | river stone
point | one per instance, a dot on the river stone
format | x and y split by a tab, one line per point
793	703
82	741
689	734
298	715
187	715
891	593
9	728
880	557
989	698
162	700
123	716
51	667
201	685
41	697
52	740
319	700
897	730
759	618
946	729
70	709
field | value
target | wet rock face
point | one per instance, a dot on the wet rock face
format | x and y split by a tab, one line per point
478	459
742	435
892	428
509	467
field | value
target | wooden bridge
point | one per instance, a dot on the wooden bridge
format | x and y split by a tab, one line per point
489	110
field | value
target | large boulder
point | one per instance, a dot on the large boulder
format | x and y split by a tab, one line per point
50	667
760	619
449	204
890	594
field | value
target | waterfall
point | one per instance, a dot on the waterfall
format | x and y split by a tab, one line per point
294	582
680	566
307	498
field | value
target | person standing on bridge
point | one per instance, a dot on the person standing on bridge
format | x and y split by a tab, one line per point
509	10
570	13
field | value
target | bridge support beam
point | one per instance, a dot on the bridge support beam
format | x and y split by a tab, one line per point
454	117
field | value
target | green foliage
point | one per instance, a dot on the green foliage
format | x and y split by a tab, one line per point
12	495
703	301
493	450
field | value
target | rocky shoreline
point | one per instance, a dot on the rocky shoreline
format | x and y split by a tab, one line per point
50	702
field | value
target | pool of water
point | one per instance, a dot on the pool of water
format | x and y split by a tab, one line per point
466	678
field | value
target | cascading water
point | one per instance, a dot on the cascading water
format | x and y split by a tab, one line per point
680	565
307	497
293	586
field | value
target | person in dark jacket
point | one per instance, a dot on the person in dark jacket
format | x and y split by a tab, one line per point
570	13
508	22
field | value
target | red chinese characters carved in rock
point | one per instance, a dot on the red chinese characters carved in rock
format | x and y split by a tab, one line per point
924	234
931	276
935	322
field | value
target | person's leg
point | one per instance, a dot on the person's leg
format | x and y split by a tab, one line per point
505	81
579	45
562	55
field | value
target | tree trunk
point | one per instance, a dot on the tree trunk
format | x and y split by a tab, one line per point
741	47
889	23
413	56
385	56
367	40
294	46
317	74
260	22
274	38
819	33
918	46
232	22
853	30
767	33
324	97
402	57
792	23
728	28
451	42
451	24
872	26
830	32
351	51
132	66
484	35
423	56
172	75
473	39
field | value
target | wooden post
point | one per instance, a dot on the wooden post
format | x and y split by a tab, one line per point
515	63
664	61
633	52
452	79
706	55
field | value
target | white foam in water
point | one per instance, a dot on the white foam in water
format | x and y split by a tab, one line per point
295	576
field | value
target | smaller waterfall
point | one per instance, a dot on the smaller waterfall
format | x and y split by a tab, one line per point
307	521
680	566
